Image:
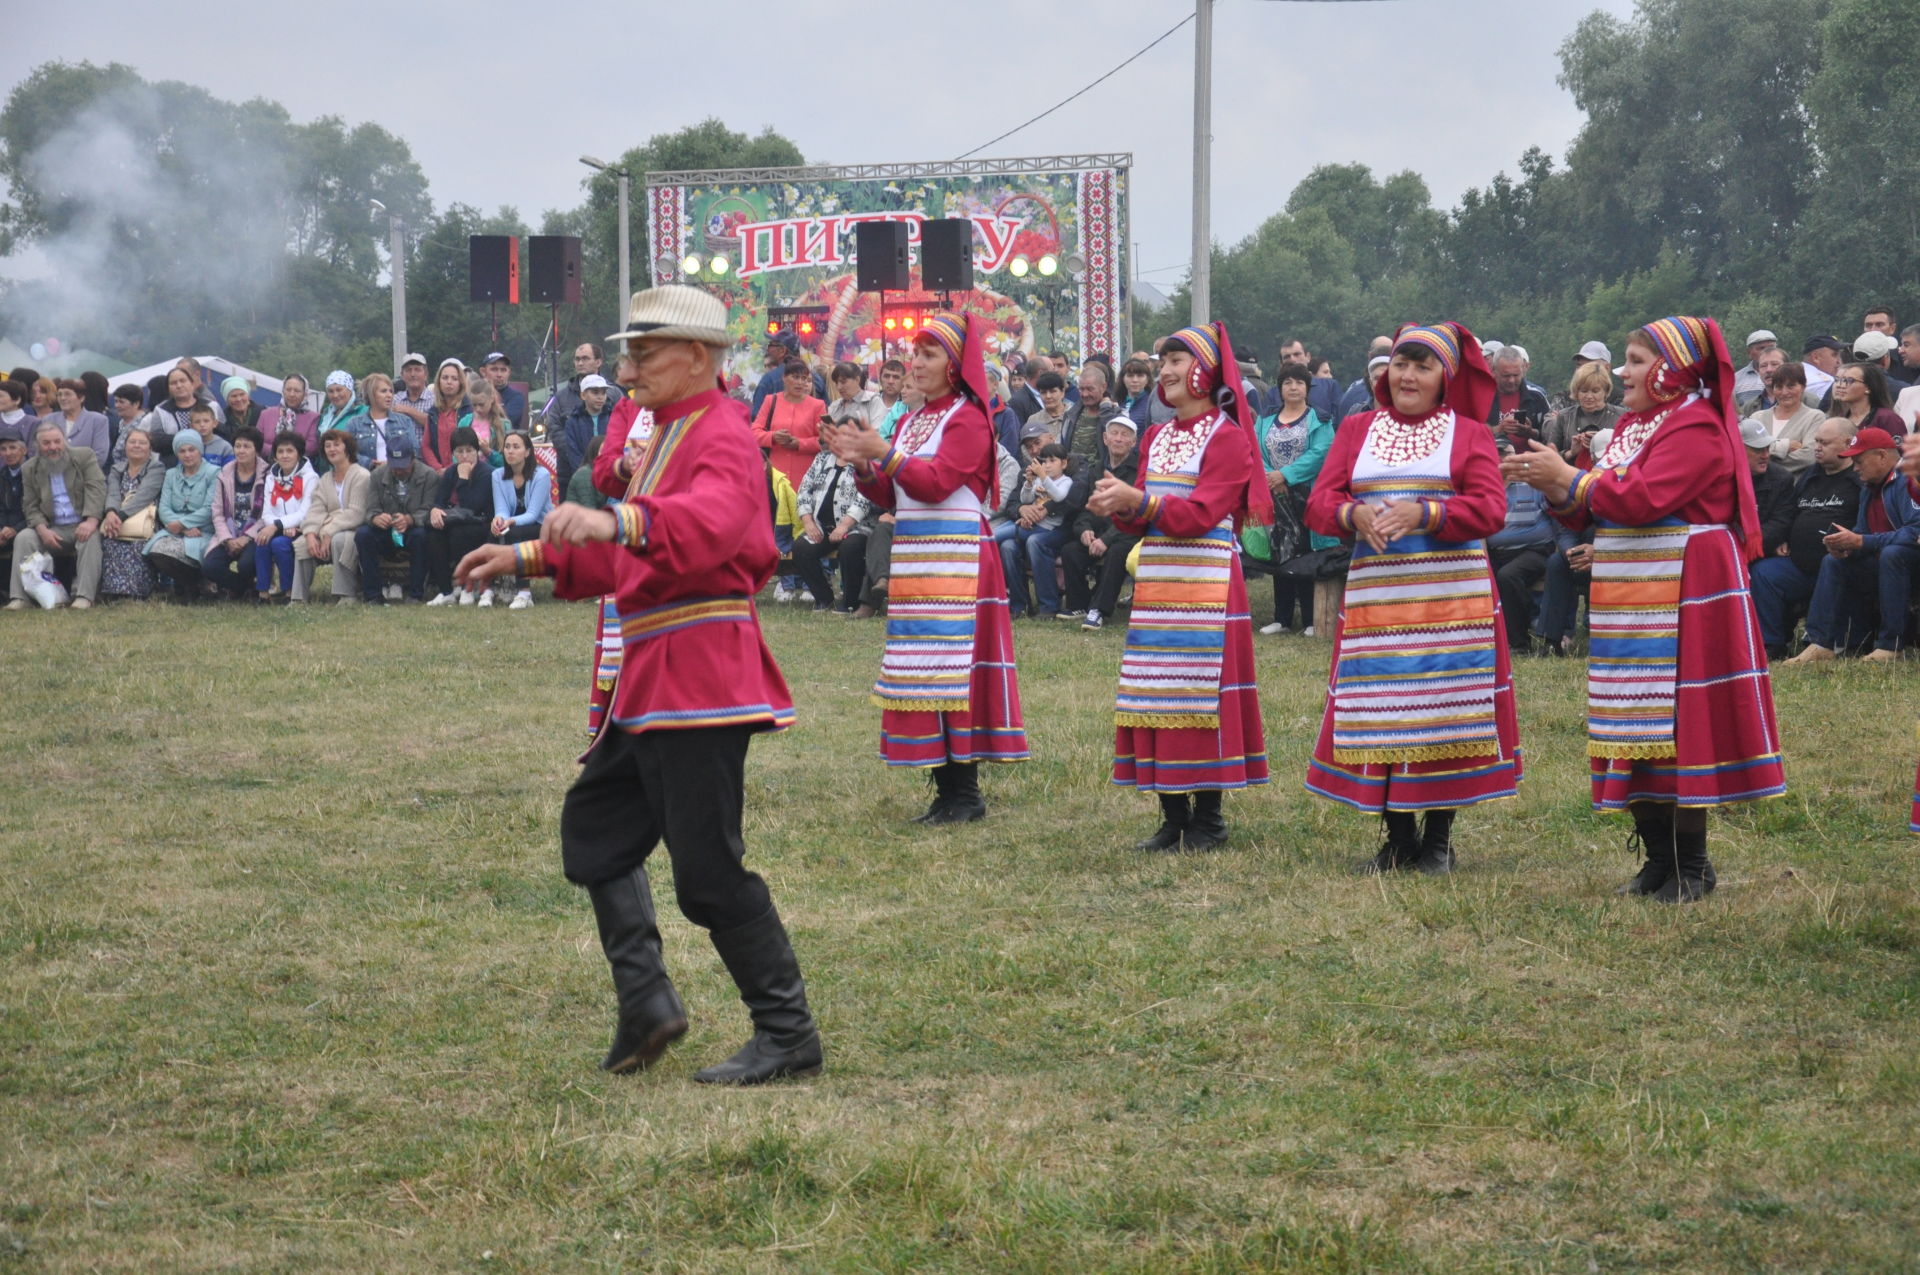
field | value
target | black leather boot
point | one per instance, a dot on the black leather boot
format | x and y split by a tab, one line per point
1207	830
764	968
942	781
1436	844
1653	834
651	1015
1401	847
1693	877
964	802
1176	810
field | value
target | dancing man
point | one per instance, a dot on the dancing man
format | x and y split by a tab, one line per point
1187	718
947	687
694	684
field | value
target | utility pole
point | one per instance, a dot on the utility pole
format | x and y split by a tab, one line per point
626	278
1201	278
397	250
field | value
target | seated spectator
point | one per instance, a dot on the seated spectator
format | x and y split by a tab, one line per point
1867	575
132	518
239	502
288	493
852	400
214	449
1038	524
1054	415
488	420
911	400
128	408
25	377
64	497
1860	394
830	509
400	498
1570	430
1518	554
84	429
1293	446
242	411
174	552
461	518
1826	496
335	511
1094	548
580	488
377	428
340	405
1519	410
1005	421
13	510
448	407
1773	485
14	400
522	495
1790	422
1087	425
783	506
291	415
1820	357
586	422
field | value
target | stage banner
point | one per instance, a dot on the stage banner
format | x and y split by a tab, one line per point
784	240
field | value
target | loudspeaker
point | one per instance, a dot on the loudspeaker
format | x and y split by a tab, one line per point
553	269
946	255
493	268
880	256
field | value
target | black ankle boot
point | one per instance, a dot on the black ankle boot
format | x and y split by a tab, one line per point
1207	830
964	802
651	1015
942	779
1401	847
764	968
1693	877
1176	811
1653	836
1436	844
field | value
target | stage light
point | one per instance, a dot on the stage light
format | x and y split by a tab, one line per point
773	327
1049	265
717	264
1018	267
892	323
907	323
806	327
690	264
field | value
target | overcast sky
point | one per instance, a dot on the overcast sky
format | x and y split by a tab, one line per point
496	109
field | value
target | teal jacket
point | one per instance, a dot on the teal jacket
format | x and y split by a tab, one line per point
1305	469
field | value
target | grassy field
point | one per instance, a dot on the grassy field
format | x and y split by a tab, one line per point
290	981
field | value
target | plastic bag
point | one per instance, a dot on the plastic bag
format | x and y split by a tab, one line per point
37	581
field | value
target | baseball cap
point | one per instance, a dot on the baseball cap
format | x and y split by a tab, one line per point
1755	434
496	357
447	363
1874	345
1759	335
593	382
1871	439
421	359
1823	342
1595	351
1377	362
1124	419
399	449
1033	429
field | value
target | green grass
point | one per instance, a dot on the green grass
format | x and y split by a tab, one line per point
289	980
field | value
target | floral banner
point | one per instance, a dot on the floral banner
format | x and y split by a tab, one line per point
791	244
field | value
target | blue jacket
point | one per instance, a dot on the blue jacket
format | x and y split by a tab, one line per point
1528	523
577	431
1901	512
539	497
1358	398
514	404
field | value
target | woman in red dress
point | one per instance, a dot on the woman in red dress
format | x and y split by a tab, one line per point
1679	706
947	684
1420	714
1187	718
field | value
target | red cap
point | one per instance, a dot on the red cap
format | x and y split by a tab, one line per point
1871	439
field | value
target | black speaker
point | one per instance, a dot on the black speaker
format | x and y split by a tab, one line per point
493	268
880	256
553	269
946	255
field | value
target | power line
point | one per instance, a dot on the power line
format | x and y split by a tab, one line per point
1056	106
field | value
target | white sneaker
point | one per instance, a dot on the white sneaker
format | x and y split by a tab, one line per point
440	600
465	597
393	593
486	597
781	593
1307	632
1275	627
521	600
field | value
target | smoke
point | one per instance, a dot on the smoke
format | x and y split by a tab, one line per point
167	218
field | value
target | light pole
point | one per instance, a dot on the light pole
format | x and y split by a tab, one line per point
397	250
626	178
1202	275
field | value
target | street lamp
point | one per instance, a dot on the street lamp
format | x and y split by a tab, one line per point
397	250
626	178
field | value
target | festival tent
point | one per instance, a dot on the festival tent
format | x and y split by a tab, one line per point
66	363
266	389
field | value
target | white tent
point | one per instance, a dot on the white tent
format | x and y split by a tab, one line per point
266	388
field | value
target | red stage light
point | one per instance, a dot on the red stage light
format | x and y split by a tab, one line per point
806	327
908	321
892	323
773	327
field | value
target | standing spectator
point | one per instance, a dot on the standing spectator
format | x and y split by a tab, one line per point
14	398
186	519
1137	392
787	425
1570	430
1877	349
1749	382
1005	422
24	378
1590	353
64	498
498	369
1053	416
1358	397
13	510
1790	422
341	406
1860	394
447	407
1293	446
586	362
1759	400
95	392
911	400
400	499
893	379
587	422
292	416
830	509
522	495
1519	410
580	489
288	492
336	510
375	430
1087	427
781	349
1022	395
84	429
1095	547
461	517
239	502
1878	318
128	407
1821	360
413	400
133	508
488	419
242	411
174	413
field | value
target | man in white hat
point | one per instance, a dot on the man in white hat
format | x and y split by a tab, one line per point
1748	380
679	698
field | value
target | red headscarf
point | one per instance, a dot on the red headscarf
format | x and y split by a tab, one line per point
1469	388
1693	358
1216	378
961	339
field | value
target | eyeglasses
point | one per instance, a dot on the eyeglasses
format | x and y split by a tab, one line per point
1848	380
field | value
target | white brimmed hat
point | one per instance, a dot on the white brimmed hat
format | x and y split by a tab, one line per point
675	311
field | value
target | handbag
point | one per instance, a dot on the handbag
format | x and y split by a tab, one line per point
142	525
